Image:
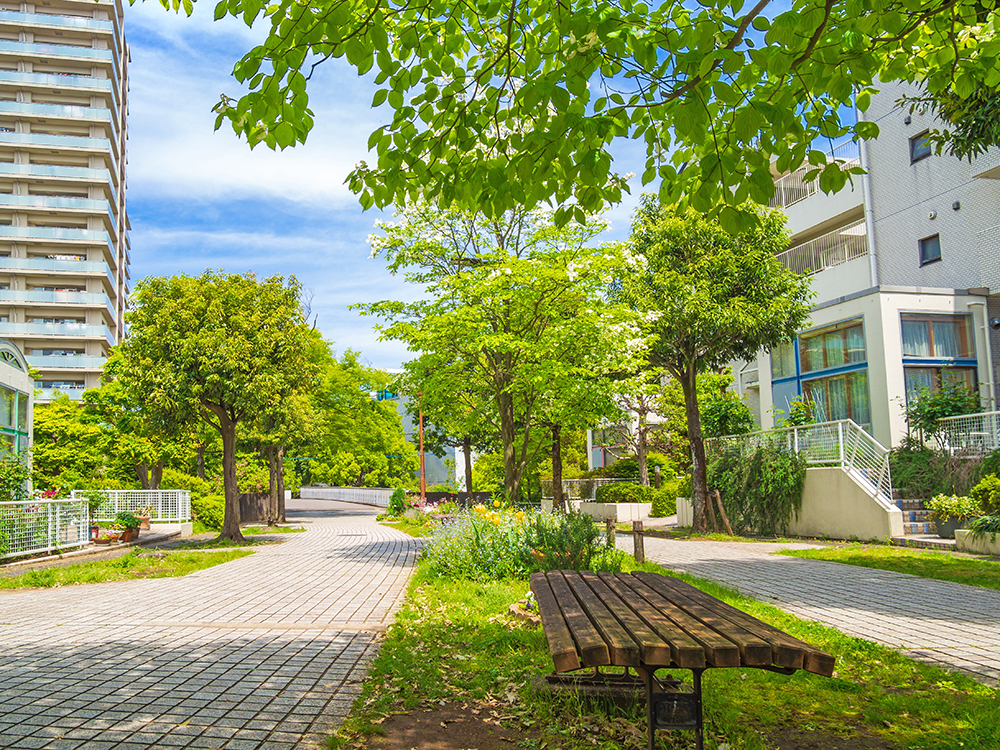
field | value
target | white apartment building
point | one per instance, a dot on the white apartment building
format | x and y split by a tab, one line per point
64	247
906	269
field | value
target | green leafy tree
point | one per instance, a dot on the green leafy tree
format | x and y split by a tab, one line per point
222	348
501	105
709	297
68	447
926	407
516	311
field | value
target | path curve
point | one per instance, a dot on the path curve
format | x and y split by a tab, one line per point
948	624
267	651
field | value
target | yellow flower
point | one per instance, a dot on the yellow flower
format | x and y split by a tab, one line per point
496	503
519	515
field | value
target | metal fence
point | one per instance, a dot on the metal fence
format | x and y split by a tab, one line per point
832	249
378	496
37	526
577	489
166	506
843	443
973	434
793	188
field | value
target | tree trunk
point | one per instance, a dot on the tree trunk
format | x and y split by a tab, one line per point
557	493
231	521
699	477
642	449
281	483
467	448
272	485
156	475
511	477
142	472
201	462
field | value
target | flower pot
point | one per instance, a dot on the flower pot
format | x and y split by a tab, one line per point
946	527
127	535
95	533
144	523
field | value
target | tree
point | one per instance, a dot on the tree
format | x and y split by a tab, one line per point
222	348
710	297
639	396
69	448
516	311
497	105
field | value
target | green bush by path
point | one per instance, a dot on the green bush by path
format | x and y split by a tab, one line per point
624	492
209	510
665	499
987	495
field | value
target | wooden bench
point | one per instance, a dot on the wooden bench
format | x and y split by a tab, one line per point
645	622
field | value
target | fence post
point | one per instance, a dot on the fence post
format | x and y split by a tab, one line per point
840	442
638	545
795	438
610	522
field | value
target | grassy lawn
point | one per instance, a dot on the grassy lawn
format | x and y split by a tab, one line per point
419	528
258	530
452	642
944	566
685	532
128	567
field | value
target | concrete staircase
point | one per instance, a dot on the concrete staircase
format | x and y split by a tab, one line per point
918	529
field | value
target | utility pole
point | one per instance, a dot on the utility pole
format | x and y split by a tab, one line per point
423	474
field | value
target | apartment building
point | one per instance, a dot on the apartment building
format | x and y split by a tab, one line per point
905	265
64	247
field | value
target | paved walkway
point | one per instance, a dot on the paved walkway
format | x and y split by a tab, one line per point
263	652
950	624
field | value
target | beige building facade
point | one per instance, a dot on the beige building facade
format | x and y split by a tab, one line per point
64	246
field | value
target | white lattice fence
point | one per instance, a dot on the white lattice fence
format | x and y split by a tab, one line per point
976	434
165	506
378	496
35	526
577	489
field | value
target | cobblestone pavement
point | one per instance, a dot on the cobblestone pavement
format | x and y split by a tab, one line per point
950	624
267	651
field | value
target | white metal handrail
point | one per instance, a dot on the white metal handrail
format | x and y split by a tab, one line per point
577	489
829	250
792	187
974	434
843	443
378	496
165	506
31	527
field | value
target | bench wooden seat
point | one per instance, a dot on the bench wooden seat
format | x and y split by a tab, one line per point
646	621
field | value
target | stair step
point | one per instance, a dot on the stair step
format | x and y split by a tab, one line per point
909	504
911	529
917	516
924	542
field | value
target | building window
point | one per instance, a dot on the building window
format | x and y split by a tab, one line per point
937	336
833	347
783	361
920	147
840	397
917	380
930	249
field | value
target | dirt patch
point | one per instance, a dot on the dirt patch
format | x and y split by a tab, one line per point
817	739
449	727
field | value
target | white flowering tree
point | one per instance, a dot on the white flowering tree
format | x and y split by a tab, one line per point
516	332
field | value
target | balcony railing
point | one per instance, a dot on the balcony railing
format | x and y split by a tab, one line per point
81	330
833	249
61	361
792	187
972	434
45	19
46	171
49	394
57	80
58	202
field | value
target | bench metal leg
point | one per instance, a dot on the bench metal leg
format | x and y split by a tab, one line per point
673	708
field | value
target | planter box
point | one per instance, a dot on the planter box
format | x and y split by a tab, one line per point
547	504
619	511
947	527
982	545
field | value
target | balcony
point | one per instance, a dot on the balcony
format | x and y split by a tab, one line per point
72	174
65	51
72	112
45	265
792	187
65	361
56	80
59	236
13	18
833	249
37	297
51	330
46	142
48	394
58	203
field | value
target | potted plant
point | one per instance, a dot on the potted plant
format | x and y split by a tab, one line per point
951	512
129	524
145	515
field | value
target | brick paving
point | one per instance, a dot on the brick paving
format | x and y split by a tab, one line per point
948	624
268	651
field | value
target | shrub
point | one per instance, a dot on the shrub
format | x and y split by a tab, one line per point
984	525
479	544
624	492
559	541
922	473
761	486
611	560
397	502
928	407
991	464
178	480
954	506
126	520
210	510
665	498
987	495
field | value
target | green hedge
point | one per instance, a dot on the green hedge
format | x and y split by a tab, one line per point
624	492
987	495
210	510
665	499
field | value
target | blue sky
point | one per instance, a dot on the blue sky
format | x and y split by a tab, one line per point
201	199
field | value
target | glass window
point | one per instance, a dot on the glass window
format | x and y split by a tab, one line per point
783	361
840	397
22	412
919	379
7	406
920	147
940	336
782	395
843	345
930	249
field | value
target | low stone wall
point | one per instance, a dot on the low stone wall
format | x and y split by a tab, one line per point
983	545
619	511
254	507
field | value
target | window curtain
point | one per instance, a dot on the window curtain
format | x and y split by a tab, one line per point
833	343
916	342
857	385
7	407
837	388
812	353
945	340
856	344
917	379
815	391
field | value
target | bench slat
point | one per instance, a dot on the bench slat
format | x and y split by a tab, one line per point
623	650
683	651
557	632
652	648
592	649
753	651
719	651
789	651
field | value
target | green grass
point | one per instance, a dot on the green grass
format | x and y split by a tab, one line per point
452	642
258	530
128	567
217	543
417	529
943	566
685	532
